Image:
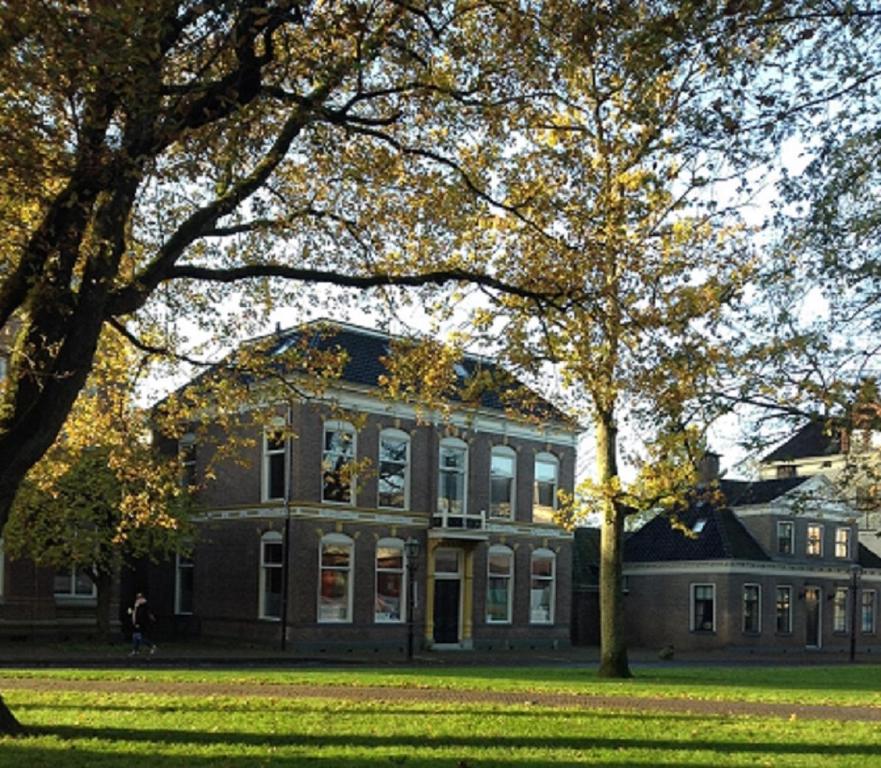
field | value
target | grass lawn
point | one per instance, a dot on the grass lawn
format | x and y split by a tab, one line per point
155	729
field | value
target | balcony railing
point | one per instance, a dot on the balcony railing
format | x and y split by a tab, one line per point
458	520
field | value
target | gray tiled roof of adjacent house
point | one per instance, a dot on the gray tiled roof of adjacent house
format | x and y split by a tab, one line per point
813	439
740	493
720	537
867	558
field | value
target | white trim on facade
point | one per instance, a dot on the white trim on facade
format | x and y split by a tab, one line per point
747	568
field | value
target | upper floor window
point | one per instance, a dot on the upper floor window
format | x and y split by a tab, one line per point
271	574
74	582
337	462
545	493
752	608
390	582
703	608
541	590
815	541
786	470
335	580
785	537
183	584
842	543
274	460
394	469
186	451
452	473
499	584
502	475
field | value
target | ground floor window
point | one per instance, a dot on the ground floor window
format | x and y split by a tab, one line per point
183	584
390	583
839	610
335	581
499	585
867	612
752	609
541	600
271	574
703	607
74	582
784	609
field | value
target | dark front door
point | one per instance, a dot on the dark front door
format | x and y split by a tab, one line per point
812	617
446	611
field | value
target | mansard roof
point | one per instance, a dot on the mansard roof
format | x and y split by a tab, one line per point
365	352
715	534
741	493
813	439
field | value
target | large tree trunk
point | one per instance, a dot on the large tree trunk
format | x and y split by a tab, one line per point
613	652
9	726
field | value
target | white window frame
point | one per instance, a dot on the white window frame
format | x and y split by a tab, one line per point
788	629
71	594
822	533
692	588
758	629
391	543
275	425
543	554
334	425
459	445
183	563
395	434
839	610
501	549
549	459
790	538
872	603
845	544
506	452
270	537
336	539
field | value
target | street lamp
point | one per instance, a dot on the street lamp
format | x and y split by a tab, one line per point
855	572
411	550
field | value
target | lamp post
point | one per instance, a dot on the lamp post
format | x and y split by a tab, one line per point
411	550
855	571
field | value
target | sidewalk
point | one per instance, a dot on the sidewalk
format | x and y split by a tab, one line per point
211	654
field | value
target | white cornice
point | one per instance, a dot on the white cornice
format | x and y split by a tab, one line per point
748	567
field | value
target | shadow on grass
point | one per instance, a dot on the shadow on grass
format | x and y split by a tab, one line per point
372	741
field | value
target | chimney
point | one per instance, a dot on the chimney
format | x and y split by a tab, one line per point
708	468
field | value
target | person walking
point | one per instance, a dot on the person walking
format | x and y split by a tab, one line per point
142	619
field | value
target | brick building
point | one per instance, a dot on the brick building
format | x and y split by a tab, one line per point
294	547
777	567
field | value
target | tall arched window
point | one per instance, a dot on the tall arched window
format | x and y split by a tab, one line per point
502	482
336	560
394	469
452	481
544	500
337	462
499	584
274	460
391	582
542	586
271	575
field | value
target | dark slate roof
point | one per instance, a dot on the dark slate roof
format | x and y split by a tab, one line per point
586	558
723	537
867	558
365	349
813	439
740	493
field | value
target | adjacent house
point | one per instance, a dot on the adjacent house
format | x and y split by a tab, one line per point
349	513
777	566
